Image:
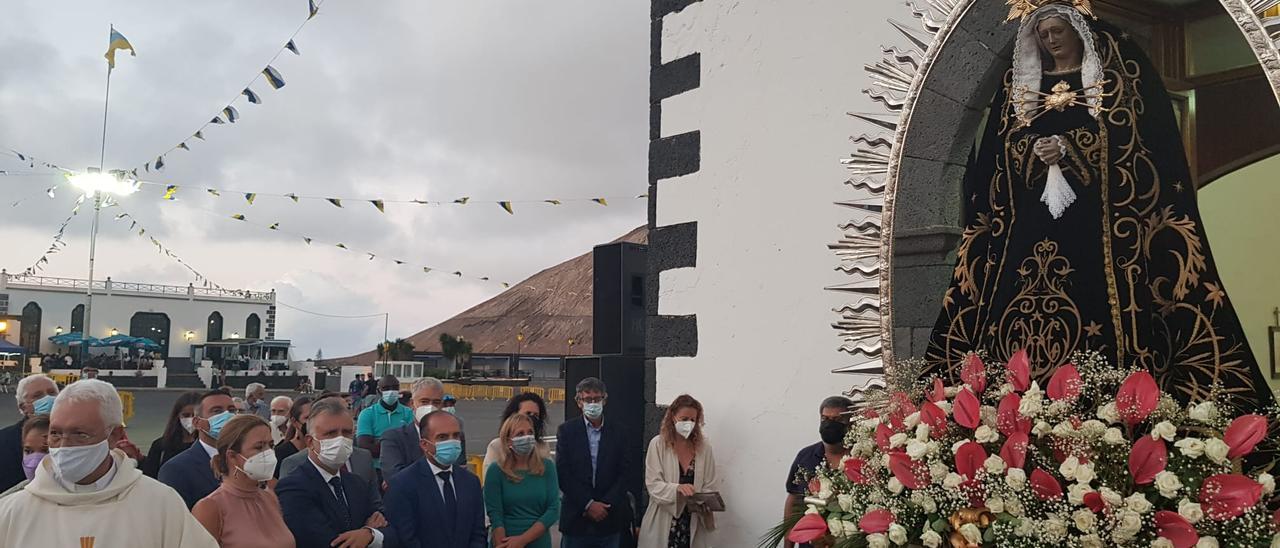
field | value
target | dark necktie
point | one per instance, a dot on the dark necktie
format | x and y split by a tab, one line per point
450	498
341	495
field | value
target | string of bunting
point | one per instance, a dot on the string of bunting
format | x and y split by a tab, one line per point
32	161
56	245
141	231
171	192
228	113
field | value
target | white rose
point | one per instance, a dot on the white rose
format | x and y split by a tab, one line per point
986	434
869	424
931	539
995	505
1191	511
862	448
1268	483
917	449
1275	541
1216	450
1064	429
1203	412
1127	526
1041	428
1168	484
933	447
1059	408
895	486
1093	428
952	481
1207	542
1084	519
1162	542
1085	474
1164	429
924	501
836	527
1108	413
1030	406
1138	503
1068	467
897	440
845	502
1016	478
1190	447
922	432
824	488
994	464
945	406
1076	493
1025	528
1113	436
1055	528
1013	507
1110	497
912	420
971	533
898	534
937	471
877	540
1091	541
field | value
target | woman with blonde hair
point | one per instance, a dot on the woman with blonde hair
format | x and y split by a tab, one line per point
241	513
678	465
521	489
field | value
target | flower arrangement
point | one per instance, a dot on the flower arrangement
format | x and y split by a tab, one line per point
1097	457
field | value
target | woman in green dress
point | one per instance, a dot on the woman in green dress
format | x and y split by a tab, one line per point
521	490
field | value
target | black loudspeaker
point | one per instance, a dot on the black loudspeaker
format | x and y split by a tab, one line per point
618	302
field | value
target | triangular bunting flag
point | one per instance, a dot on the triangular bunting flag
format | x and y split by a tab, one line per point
292	47
292	196
463	200
249	197
253	97
333	201
238	217
339	244
507	206
505	285
216	120
314	10
183	146
458	274
371	256
169	191
600	201
199	135
397	261
378	204
232	113
274	226
213	191
426	270
552	202
306	239
273	77
159	163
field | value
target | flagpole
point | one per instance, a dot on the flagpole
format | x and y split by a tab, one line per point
102	155
93	231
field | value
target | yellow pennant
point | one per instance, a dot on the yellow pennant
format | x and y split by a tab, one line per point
238	217
507	206
378	204
250	197
341	246
333	201
600	201
169	191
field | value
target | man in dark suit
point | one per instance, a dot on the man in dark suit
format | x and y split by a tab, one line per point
323	504
593	466
400	446
436	502
189	473
30	389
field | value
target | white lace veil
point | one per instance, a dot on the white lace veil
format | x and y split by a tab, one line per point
1027	69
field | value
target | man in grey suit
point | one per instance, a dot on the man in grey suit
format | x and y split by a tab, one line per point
360	464
400	446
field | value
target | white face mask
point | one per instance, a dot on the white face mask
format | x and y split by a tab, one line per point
72	464
260	467
278	420
334	452
188	424
422	412
685	428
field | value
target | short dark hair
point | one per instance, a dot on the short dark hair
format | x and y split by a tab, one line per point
426	419
210	394
836	402
389	381
591	384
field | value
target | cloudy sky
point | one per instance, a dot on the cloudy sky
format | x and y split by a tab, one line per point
395	99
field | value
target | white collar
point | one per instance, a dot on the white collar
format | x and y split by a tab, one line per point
211	450
592	426
324	474
435	470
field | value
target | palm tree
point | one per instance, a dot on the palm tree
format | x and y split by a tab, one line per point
456	349
397	350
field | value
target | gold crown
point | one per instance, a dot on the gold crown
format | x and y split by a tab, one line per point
1022	9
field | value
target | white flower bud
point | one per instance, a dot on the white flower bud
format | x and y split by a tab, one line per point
895	486
1084	520
994	464
1190	447
1268	483
922	432
952	481
1113	436
986	434
1207	542
1016	478
1164	429
931	539
898	534
917	449
1204	412
1168	484
1191	511
897	440
1216	450
1138	503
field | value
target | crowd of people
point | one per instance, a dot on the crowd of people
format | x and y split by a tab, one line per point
347	471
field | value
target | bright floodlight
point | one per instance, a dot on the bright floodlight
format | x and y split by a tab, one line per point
105	183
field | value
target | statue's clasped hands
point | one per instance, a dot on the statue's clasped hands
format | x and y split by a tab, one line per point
1048	149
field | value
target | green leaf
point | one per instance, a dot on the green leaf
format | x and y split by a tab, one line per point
940	526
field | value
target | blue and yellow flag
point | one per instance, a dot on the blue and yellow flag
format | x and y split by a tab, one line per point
507	207
273	77
118	41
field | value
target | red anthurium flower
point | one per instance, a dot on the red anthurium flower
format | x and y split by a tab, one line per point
1244	433
1008	420
935	417
811	527
1226	496
969	459
1014	452
1065	384
1275	519
1137	397
967	410
974	373
1177	529
1093	500
883	433
870	413
1020	371
1148	458
1044	485
900	406
853	469
910	473
876	521
938	393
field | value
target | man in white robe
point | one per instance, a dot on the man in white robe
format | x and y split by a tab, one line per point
85	494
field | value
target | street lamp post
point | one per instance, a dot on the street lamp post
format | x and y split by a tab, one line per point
100	185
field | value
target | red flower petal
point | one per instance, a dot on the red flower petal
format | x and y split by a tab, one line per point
1137	397
1093	500
935	417
900	406
814	486
1244	433
969	459
967	410
1148	458
1020	371
938	393
811	527
1044	485
883	433
910	473
1008	420
1065	384
1176	528
876	521
974	373
1227	496
1014	452
853	469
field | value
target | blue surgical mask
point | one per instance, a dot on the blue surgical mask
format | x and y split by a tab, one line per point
523	445
390	397
593	411
216	423
448	451
44	405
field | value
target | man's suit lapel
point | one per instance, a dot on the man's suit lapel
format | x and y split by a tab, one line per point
332	509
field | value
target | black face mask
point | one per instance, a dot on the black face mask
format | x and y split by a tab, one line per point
832	432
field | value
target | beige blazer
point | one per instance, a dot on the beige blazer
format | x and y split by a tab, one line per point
662	479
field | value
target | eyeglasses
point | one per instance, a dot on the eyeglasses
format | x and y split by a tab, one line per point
75	439
592	399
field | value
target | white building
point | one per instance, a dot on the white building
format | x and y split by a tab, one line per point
175	317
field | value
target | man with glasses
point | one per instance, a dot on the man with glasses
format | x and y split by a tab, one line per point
86	494
593	464
31	389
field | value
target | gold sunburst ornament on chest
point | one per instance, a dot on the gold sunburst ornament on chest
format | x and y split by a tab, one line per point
1022	9
1061	97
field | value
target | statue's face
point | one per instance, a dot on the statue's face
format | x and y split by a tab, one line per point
1060	40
